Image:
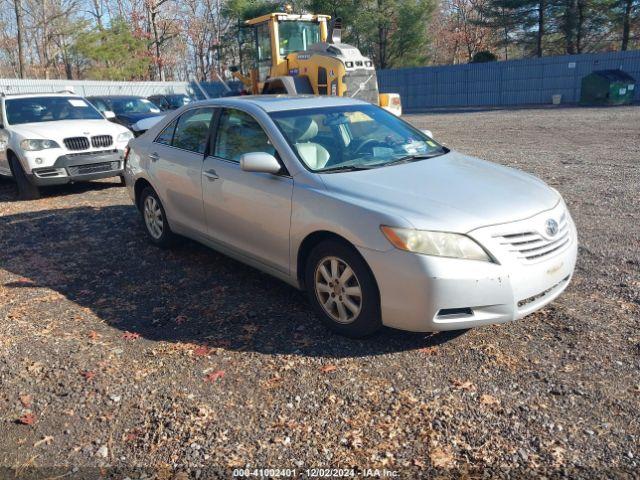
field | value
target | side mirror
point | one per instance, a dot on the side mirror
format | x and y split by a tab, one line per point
109	115
259	162
428	133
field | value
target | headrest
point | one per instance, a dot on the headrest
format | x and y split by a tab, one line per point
305	129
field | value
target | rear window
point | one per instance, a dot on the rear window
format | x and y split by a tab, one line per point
49	109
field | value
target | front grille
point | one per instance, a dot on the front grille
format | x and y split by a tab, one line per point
528	301
92	153
93	168
76	143
357	78
100	141
530	246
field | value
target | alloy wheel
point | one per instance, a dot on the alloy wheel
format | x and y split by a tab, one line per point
153	217
338	290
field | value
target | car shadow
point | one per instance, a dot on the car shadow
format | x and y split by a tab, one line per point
9	191
100	259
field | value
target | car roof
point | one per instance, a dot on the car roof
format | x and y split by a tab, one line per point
114	96
277	103
9	96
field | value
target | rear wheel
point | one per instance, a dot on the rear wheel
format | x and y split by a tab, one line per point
343	290
155	219
26	190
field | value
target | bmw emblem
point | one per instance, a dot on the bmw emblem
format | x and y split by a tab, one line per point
552	227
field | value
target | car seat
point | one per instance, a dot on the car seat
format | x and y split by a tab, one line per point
313	154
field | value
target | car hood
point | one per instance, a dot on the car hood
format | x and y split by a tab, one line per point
131	118
452	192
60	129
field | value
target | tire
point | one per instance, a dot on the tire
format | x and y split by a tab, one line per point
352	314
26	189
154	219
122	181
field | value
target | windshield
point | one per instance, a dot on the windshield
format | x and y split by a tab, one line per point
178	100
49	109
123	106
353	137
296	36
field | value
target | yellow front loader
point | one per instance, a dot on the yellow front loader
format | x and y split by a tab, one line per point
297	54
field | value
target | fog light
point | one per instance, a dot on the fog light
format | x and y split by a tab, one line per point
39	161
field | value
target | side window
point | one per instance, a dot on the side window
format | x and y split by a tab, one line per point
166	135
274	86
238	133
192	130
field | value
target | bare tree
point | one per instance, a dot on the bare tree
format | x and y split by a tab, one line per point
17	5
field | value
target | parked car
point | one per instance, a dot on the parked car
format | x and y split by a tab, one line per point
136	113
378	222
170	101
50	139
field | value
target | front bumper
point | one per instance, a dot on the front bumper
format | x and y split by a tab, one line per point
80	167
427	294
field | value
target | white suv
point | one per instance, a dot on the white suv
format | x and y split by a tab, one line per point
56	138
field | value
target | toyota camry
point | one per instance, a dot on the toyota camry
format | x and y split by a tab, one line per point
378	222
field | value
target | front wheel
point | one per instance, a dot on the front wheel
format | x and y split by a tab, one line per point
343	290
26	189
155	219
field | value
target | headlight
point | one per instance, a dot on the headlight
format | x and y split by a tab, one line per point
440	244
32	145
125	136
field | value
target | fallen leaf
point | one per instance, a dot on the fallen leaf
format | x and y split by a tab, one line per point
27	419
88	374
489	400
428	351
441	457
130	336
46	440
250	328
26	401
201	351
466	386
328	368
180	319
93	335
214	376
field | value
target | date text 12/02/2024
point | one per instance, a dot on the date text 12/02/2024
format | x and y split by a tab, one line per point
315	473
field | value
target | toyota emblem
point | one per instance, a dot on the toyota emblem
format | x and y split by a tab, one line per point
552	227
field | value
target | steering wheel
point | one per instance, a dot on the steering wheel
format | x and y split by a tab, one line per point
369	143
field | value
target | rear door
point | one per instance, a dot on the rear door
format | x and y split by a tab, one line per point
247	211
175	163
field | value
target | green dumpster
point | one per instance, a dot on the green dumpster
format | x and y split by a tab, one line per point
608	87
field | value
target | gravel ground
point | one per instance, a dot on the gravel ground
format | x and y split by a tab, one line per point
116	354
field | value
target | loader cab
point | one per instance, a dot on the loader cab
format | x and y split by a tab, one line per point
278	35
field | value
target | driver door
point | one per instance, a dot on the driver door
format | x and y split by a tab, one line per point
248	212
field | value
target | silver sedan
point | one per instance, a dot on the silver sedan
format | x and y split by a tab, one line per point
377	221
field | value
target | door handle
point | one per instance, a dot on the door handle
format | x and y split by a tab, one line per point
211	175
154	156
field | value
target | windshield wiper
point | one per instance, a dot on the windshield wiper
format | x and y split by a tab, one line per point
347	168
413	158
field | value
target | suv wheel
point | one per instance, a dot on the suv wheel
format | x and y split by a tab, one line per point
342	289
155	219
26	190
